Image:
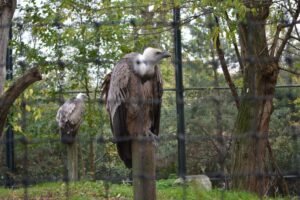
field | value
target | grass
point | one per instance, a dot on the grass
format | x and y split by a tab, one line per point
98	190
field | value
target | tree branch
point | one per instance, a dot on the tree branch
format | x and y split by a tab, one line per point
275	41
276	37
8	98
225	69
237	52
290	71
288	33
295	38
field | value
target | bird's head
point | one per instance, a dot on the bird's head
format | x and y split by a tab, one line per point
152	56
139	65
82	96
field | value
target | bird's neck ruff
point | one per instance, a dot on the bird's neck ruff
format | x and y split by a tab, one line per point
81	96
143	68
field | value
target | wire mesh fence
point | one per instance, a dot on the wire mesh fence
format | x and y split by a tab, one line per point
78	44
43	159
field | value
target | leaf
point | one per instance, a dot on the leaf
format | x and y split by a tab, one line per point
30	92
37	114
27	108
17	128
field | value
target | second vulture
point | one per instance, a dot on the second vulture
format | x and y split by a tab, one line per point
133	92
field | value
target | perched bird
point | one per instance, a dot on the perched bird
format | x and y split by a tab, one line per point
70	116
132	93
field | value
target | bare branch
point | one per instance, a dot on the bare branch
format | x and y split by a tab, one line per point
276	37
225	69
288	33
293	46
295	38
275	41
290	71
237	52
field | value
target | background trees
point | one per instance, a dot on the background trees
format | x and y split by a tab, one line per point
75	43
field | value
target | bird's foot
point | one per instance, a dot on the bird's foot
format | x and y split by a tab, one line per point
151	136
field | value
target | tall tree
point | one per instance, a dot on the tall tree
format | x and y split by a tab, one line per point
7	9
261	65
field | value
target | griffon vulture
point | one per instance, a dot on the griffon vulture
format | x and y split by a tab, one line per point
133	91
70	116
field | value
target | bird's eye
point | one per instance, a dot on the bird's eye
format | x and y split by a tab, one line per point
157	53
138	62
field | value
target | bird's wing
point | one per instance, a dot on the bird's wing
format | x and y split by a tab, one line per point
76	116
118	87
157	100
70	113
116	104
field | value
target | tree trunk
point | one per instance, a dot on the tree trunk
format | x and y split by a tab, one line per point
7	9
252	124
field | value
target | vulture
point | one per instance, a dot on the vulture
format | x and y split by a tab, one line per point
132	93
70	116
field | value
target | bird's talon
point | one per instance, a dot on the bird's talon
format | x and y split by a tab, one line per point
153	137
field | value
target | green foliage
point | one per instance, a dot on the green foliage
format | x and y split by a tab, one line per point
75	51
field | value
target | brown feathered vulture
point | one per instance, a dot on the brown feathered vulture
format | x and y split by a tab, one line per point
70	116
133	91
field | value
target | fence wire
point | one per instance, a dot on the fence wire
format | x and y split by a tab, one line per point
209	110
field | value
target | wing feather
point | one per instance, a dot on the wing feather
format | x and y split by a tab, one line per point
118	88
117	97
153	90
70	114
157	95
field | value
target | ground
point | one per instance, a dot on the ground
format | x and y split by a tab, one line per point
87	190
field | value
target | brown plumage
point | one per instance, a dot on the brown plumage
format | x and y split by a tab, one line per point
70	116
133	93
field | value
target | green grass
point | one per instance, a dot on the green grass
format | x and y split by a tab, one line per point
98	190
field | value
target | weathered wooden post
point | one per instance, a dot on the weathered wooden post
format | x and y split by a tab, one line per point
72	161
143	166
143	159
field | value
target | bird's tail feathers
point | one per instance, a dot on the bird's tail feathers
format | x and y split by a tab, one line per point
67	137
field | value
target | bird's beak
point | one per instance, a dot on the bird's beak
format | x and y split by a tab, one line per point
165	54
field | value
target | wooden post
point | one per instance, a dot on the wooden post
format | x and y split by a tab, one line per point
72	161
143	166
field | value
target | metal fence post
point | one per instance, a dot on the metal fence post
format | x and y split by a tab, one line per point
179	94
10	150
